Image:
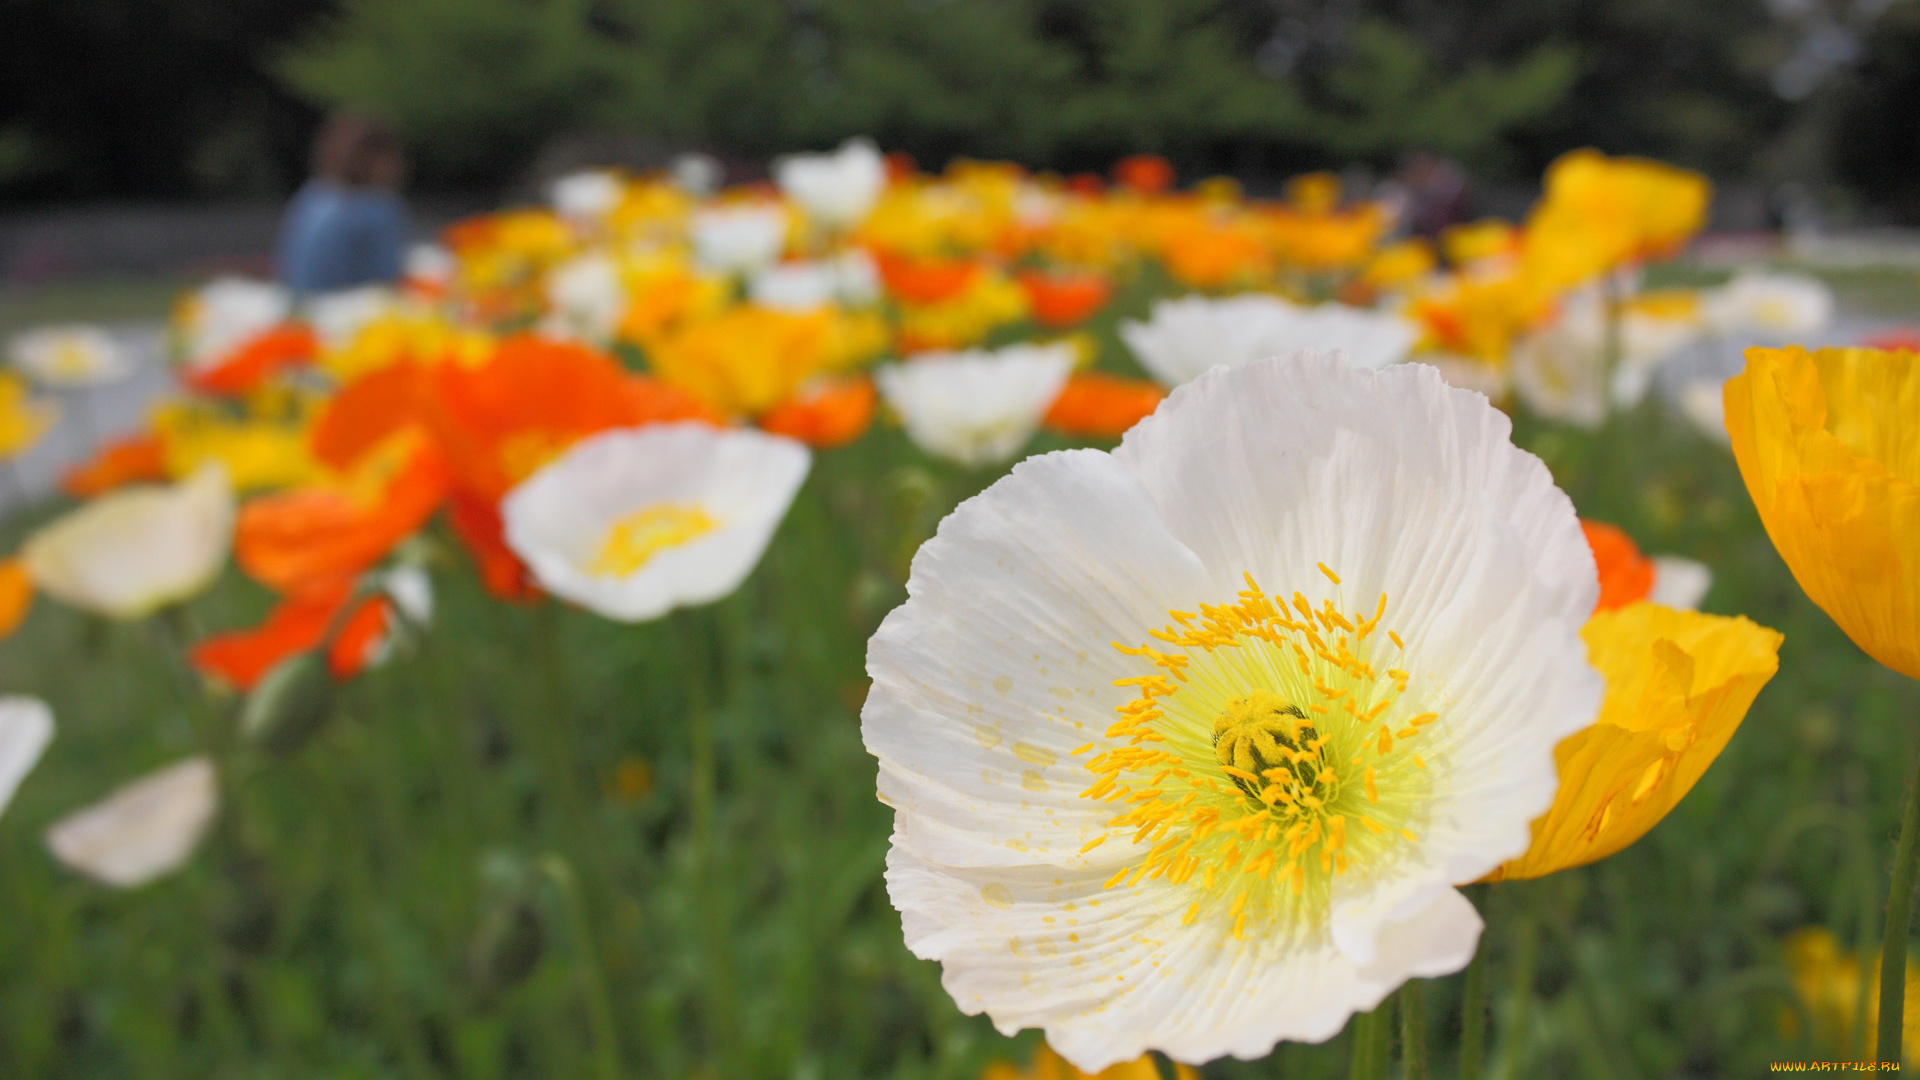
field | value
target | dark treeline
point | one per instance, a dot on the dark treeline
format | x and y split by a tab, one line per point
184	98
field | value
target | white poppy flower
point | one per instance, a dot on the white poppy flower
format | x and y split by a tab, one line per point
1782	304
26	727
226	314
835	189
587	298
1680	583
144	830
1109	826
976	407
697	174
1559	370
1703	402
432	264
71	355
338	317
632	523
1184	337
133	551
738	239
850	279
586	196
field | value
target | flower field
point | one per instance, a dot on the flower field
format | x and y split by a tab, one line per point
875	624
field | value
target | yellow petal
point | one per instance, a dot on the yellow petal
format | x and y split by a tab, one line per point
1829	451
1678	685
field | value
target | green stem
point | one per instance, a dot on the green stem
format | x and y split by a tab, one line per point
1372	1036
586	968
1413	1030
700	634
1526	962
1893	949
1473	1015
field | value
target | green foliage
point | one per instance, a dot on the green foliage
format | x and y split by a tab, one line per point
477	83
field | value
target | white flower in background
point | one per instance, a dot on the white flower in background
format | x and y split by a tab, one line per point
411	590
226	314
144	830
1680	583
431	264
26	727
738	239
1109	827
338	317
1184	337
133	551
586	298
1468	373
1560	369
697	174
70	356
850	279
977	407
1648	339
1702	401
836	189
1781	304
633	523
586	196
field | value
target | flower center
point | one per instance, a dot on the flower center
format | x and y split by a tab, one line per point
1266	757
638	537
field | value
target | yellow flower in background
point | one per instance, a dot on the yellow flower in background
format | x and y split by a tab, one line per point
1828	445
749	358
1479	241
24	419
1827	981
402	335
991	299
665	292
1399	264
1678	685
651	211
265	446
1314	192
1047	1065
1598	212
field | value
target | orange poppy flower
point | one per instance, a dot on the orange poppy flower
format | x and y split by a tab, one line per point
499	422
16	595
832	414
136	459
306	538
367	411
477	523
1214	256
298	623
1086	183
1093	405
1062	300
1625	574
1148	174
284	346
924	280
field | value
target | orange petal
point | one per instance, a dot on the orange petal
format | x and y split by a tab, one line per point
296	624
833	415
16	595
124	461
1625	574
1093	405
283	346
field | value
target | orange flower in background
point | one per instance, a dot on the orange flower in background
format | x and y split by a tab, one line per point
1047	1065
1147	174
477	522
1215	255
298	623
314	536
367	411
924	280
16	595
1093	405
1061	300
830	414
1625	574
499	422
286	345
136	459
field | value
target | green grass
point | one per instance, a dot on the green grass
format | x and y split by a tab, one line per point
328	928
94	300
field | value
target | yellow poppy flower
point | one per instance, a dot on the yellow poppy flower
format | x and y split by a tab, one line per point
749	359
1678	685
1047	1065
265	448
1827	446
1827	982
24	420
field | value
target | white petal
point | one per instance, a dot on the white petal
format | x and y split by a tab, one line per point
1680	583
136	550
557	519
1002	663
70	355
142	831
976	408
26	727
838	188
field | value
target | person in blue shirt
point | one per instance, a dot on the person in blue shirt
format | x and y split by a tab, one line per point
346	226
